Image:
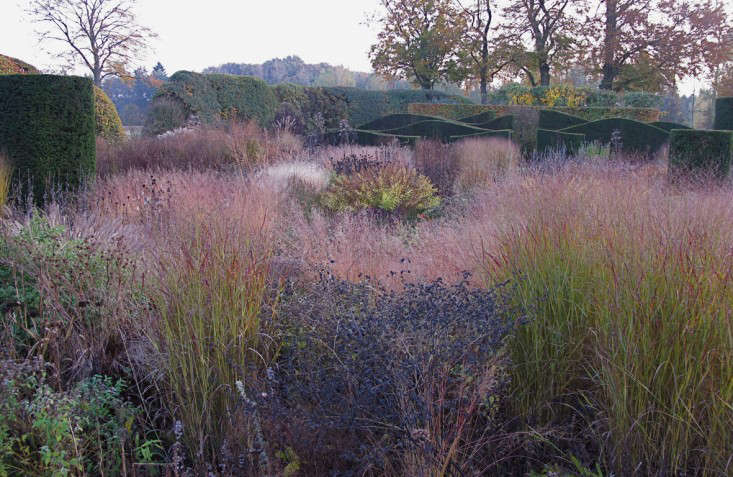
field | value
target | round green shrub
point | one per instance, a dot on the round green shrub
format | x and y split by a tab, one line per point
108	122
392	188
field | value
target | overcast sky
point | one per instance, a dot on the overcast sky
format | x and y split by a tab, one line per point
196	34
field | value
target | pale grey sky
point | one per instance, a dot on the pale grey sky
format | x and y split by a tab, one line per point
196	34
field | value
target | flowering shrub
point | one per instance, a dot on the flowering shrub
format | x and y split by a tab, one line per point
394	188
372	382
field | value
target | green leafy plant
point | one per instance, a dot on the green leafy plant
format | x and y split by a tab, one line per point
394	188
47	432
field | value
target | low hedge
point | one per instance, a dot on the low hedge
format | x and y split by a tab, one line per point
393	121
502	122
446	110
484	117
47	130
549	141
700	152
449	111
503	134
365	105
668	126
367	138
724	114
636	137
551	120
436	129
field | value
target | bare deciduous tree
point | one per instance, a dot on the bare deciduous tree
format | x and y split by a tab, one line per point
101	34
553	26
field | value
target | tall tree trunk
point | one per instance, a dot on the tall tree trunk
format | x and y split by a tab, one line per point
544	73
484	73
610	42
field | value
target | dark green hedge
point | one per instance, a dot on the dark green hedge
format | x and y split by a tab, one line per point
668	126
555	120
589	114
365	105
724	114
636	137
436	129
502	122
394	121
216	96
700	152
308	106
367	138
549	141
47	129
480	118
503	134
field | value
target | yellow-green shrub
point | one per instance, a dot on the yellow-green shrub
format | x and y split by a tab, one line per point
393	188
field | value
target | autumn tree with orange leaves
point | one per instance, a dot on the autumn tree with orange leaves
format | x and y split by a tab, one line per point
676	38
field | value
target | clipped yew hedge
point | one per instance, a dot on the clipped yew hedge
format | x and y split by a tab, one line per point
484	117
218	96
367	138
500	123
697	152
549	141
47	130
636	137
451	111
502	134
436	129
724	114
551	120
394	121
668	126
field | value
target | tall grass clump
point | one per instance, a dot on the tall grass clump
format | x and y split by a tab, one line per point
629	291
212	281
483	161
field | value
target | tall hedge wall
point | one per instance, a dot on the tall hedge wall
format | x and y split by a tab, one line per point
589	114
636	137
700	152
216	96
47	129
108	120
724	114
